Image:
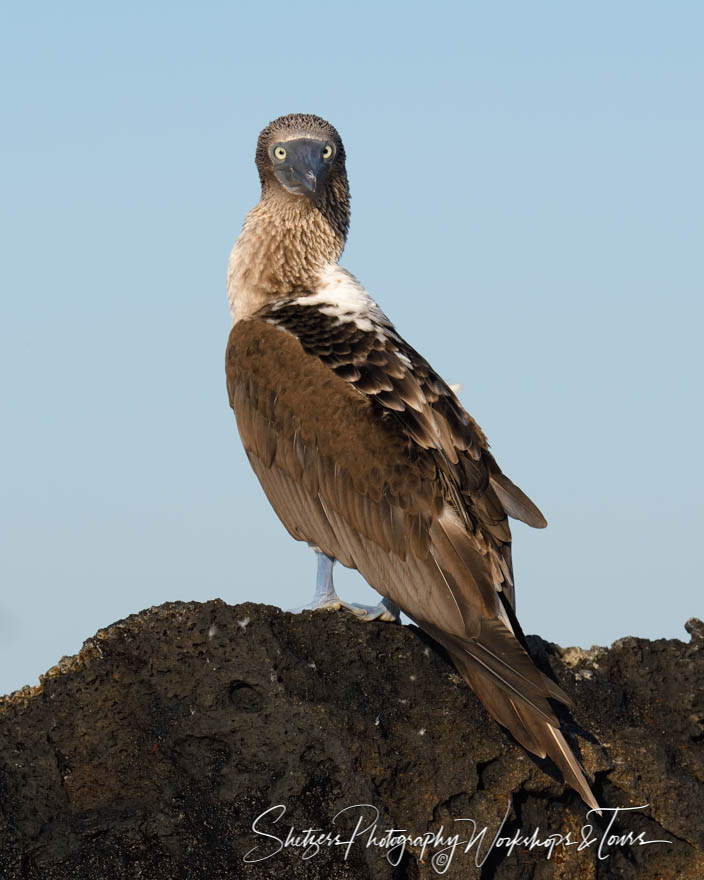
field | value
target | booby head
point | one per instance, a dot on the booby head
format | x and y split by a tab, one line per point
302	155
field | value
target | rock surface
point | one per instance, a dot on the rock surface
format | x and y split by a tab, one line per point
151	753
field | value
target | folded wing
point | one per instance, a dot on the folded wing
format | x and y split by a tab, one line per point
364	452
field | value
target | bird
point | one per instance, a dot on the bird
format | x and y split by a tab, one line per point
364	451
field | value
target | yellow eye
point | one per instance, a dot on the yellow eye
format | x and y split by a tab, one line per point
327	151
279	153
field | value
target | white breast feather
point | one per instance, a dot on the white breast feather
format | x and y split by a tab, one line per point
339	295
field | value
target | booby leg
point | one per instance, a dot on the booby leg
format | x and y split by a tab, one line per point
326	598
325	595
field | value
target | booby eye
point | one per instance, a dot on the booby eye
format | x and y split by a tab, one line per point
279	153
328	151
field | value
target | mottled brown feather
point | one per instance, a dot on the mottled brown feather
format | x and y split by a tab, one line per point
304	422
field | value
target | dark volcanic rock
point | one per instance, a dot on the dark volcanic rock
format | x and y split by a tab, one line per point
151	753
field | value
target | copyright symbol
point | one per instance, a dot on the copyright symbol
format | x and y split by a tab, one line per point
440	861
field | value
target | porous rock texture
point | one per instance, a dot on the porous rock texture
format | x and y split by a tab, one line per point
153	751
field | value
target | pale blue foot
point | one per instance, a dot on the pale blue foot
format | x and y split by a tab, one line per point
385	610
326	598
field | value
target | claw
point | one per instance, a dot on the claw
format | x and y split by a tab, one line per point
332	604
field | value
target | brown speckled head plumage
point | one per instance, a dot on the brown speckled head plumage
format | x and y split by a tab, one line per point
288	239
333	200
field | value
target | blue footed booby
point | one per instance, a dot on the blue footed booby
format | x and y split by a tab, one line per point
363	450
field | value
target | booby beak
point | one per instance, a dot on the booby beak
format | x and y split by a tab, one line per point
303	170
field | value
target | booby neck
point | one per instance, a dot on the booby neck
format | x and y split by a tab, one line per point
286	245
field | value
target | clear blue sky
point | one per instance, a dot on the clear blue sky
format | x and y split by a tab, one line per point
527	207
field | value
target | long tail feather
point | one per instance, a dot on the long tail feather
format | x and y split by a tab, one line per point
529	718
563	756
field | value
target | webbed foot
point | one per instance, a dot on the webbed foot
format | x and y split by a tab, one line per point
385	610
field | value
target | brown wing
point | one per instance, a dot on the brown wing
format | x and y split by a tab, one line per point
399	381
377	464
